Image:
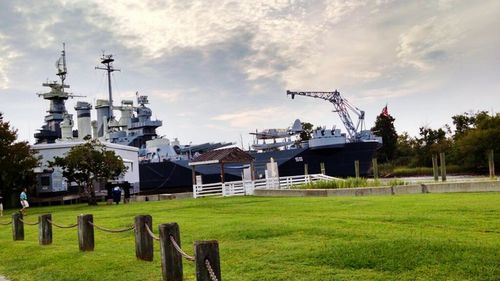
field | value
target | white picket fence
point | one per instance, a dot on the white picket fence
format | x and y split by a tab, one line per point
247	187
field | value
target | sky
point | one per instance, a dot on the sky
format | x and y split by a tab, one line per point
217	70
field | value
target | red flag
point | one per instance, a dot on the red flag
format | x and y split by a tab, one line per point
385	112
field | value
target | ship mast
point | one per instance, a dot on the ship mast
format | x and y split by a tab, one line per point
108	60
61	67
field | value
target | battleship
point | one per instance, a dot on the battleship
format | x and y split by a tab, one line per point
164	163
133	127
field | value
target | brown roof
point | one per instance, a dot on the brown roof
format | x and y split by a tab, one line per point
225	155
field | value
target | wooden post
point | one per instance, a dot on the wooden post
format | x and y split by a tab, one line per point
17	227
306	169
322	167
45	229
85	233
435	168
143	241
171	259
207	250
375	168
443	166
356	168
252	169
193	174
491	162
222	172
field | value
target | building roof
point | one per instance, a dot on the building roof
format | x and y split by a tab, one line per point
225	155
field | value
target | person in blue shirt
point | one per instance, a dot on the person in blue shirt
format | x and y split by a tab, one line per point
24	201
117	195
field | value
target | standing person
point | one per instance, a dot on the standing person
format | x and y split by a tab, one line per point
24	201
126	190
117	195
1	206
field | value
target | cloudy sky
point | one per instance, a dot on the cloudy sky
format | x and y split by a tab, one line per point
215	70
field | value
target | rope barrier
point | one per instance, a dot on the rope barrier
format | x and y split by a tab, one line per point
62	226
176	246
112	230
151	233
210	270
6	223
29	223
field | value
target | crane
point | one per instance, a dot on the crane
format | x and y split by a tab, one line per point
342	107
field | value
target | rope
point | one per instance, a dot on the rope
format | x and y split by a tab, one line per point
29	223
62	226
210	271
151	233
111	230
176	246
6	223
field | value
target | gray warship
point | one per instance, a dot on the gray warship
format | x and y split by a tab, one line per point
132	126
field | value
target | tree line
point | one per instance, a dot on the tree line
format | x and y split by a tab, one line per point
465	143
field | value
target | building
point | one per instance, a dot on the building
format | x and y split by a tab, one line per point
51	180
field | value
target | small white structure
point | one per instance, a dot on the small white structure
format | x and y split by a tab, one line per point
52	180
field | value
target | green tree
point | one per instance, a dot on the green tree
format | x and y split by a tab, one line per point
17	161
384	127
307	131
464	122
405	150
87	163
474	143
431	142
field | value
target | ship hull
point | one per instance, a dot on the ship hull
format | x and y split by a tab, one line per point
338	162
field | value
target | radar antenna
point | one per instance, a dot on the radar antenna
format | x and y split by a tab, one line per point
342	107
61	66
108	60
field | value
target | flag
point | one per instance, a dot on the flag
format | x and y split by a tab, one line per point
385	112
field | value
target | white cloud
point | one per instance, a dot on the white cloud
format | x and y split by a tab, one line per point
6	59
170	97
252	117
426	44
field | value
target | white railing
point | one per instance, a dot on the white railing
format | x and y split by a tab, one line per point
247	187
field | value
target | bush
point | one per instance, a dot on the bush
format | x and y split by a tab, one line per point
349	183
334	184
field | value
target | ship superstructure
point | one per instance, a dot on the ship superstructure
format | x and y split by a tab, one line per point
51	130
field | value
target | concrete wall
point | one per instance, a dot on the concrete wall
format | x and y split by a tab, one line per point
484	186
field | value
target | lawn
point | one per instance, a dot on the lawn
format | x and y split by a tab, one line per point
410	237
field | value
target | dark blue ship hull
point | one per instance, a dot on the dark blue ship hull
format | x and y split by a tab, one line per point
338	162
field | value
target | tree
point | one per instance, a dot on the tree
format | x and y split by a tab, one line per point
17	161
307	128
464	122
405	150
483	135
384	127
87	163
431	142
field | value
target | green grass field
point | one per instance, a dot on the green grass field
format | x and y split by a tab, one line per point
411	237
